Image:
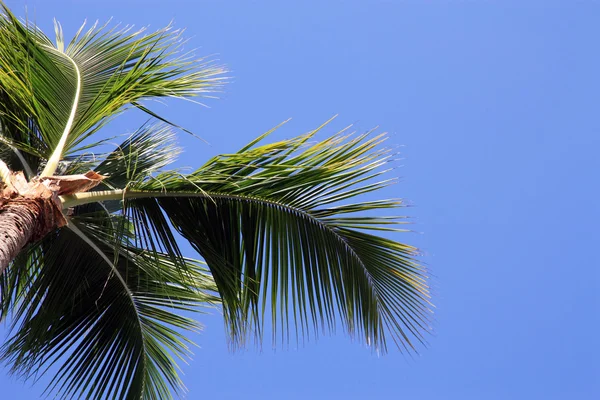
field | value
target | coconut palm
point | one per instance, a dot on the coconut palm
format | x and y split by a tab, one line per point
92	275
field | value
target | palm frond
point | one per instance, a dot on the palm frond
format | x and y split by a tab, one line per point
276	228
105	315
145	152
60	95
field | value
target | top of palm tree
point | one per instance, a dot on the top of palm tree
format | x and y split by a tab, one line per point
278	225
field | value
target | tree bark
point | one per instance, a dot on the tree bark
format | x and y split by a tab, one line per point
28	212
18	223
31	210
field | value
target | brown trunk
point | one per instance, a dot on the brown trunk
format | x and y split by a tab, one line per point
18	220
28	211
31	210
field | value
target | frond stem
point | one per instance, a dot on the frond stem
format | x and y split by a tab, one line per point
58	151
123	194
78	199
24	163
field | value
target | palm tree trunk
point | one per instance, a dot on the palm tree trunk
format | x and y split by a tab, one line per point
18	223
28	212
31	210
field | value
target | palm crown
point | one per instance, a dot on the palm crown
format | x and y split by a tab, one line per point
95	281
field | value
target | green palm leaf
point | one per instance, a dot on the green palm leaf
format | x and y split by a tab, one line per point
149	149
104	323
276	228
65	93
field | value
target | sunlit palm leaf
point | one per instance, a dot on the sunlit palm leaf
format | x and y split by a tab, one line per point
148	150
63	94
275	228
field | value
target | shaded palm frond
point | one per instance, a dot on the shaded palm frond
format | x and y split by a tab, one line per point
106	315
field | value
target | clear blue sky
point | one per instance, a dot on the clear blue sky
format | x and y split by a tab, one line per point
496	105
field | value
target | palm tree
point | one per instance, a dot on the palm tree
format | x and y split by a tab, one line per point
91	272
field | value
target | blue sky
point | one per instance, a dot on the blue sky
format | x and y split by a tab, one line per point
495	105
